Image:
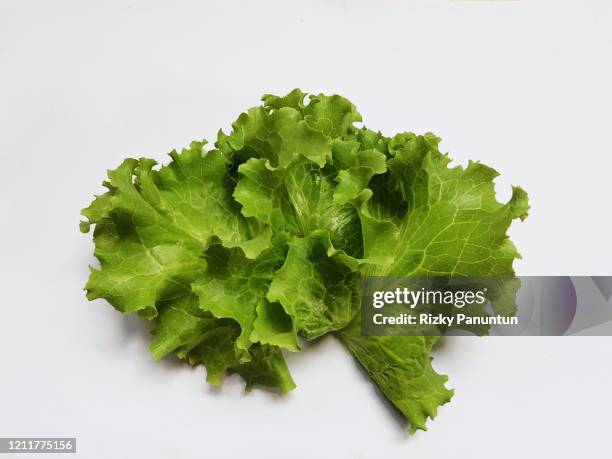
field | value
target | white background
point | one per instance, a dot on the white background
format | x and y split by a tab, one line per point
524	86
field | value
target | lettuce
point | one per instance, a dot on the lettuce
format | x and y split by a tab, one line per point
244	250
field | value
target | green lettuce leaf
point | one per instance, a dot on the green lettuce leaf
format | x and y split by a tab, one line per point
316	291
427	218
233	286
152	227
243	251
180	323
401	367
